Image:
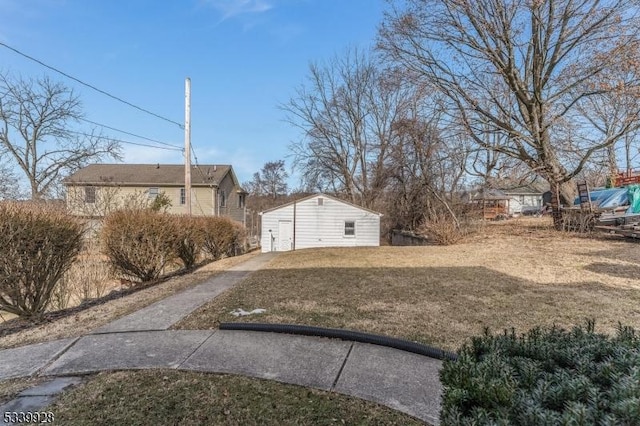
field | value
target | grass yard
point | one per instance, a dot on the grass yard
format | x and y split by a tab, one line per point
517	273
171	397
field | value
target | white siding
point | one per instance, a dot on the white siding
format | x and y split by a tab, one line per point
322	225
518	203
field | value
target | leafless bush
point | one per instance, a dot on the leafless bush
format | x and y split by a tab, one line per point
191	241
240	241
220	236
140	243
38	244
441	229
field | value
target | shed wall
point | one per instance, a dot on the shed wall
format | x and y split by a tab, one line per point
322	225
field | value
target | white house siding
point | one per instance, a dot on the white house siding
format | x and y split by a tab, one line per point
521	202
320	225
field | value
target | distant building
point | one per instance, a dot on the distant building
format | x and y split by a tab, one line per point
488	204
524	199
95	190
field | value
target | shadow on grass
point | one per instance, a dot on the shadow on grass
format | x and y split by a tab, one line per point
615	270
628	251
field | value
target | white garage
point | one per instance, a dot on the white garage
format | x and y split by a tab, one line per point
319	221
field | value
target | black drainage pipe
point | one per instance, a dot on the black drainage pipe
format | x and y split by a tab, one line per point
336	333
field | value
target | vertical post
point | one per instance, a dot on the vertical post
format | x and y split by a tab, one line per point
294	226
187	144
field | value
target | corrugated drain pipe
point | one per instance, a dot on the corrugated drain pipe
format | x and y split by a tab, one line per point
336	333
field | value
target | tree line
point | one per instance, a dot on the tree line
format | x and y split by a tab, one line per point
454	90
494	90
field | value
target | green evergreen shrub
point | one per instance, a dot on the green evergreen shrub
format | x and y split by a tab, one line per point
38	244
546	377
140	243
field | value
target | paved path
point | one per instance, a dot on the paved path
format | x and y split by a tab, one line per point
401	380
163	314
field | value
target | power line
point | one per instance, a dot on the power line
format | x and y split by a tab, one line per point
130	134
90	86
129	142
194	153
195	158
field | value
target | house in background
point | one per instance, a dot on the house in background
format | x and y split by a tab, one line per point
319	221
486	203
95	190
524	199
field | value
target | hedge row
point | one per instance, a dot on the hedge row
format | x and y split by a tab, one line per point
38	244
141	243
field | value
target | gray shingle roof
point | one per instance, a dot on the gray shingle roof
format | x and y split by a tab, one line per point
522	190
147	174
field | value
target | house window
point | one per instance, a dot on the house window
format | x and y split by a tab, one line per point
522	199
349	228
321	201
90	194
183	196
223	199
152	193
241	201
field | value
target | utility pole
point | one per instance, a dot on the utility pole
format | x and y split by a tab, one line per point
187	144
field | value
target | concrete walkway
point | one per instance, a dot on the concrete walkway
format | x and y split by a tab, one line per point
401	380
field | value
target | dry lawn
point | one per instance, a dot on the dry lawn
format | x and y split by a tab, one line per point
169	397
84	321
518	273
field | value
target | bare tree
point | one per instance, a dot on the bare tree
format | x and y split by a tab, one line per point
268	188
35	120
9	184
273	179
425	172
346	112
615	112
519	68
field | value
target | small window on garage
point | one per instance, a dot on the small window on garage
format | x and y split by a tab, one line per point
349	228
320	201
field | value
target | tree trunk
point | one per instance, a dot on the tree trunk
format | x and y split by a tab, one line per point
562	194
613	163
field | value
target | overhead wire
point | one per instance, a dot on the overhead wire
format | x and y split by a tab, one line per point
129	142
130	134
91	86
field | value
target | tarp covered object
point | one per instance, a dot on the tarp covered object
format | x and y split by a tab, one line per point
633	192
607	198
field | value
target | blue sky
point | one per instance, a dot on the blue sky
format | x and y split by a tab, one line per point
244	57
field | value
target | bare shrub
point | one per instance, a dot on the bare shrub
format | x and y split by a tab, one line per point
38	244
191	240
220	235
240	240
140	243
443	230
